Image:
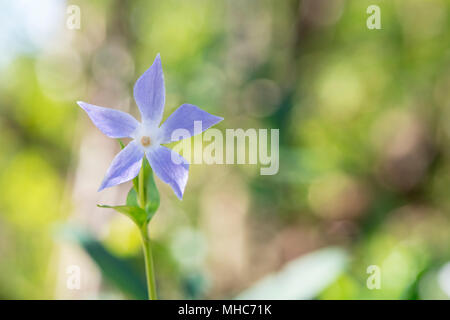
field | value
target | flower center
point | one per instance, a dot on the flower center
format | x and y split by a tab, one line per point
145	141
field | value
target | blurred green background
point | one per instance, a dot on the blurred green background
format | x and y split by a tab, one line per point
364	119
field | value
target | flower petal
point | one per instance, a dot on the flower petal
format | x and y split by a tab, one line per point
149	93
184	118
170	167
124	167
113	123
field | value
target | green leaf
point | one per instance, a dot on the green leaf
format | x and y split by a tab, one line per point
151	191
132	198
151	205
137	214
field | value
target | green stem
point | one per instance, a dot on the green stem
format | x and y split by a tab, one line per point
149	268
148	257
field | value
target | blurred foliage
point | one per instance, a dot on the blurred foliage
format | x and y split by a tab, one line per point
364	143
303	278
117	271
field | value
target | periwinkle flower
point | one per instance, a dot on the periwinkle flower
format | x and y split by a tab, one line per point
148	136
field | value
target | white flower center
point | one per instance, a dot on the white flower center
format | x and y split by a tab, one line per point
147	135
146	141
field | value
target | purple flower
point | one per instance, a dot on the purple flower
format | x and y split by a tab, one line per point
148	136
